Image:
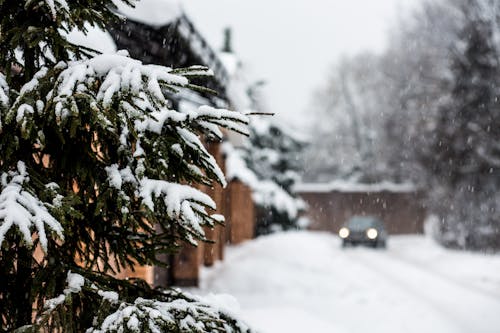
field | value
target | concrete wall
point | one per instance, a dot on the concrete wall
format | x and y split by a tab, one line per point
401	212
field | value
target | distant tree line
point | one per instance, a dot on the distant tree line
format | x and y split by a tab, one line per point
425	110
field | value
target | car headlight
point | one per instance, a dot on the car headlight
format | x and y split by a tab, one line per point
372	233
343	232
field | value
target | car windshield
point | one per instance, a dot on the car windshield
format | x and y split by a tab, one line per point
361	223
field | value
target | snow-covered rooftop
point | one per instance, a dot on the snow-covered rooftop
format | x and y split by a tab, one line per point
152	12
344	186
95	38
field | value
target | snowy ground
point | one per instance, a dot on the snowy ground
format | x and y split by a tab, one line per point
304	282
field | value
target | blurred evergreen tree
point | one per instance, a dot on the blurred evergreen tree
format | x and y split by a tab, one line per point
273	153
465	154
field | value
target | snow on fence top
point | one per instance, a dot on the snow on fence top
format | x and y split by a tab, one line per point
343	186
152	12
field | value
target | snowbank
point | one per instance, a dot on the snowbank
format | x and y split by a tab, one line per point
305	282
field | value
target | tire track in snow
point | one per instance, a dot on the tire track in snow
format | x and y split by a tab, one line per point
465	309
439	317
469	286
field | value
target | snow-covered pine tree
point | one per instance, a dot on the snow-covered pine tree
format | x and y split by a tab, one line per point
273	154
93	161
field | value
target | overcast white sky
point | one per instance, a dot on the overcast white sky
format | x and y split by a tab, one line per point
293	43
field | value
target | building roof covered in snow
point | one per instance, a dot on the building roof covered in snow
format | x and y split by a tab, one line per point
158	32
152	12
94	38
344	186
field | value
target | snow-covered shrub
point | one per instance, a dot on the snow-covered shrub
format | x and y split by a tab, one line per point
269	164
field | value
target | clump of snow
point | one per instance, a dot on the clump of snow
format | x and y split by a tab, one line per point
75	283
34	82
151	12
218	217
4	94
52	303
116	177
19	208
177	149
94	38
157	120
181	201
24	108
110	296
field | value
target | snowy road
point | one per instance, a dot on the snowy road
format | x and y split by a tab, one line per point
305	282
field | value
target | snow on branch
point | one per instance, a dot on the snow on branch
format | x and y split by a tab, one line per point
116	176
54	6
231	120
19	208
172	311
74	282
4	92
208	118
131	100
119	75
181	201
4	97
179	315
193	141
116	81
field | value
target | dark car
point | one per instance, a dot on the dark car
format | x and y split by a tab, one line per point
367	230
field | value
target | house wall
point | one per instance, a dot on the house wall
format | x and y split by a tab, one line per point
402	212
238	210
235	203
240	214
